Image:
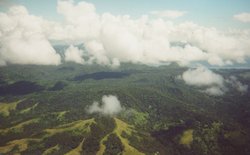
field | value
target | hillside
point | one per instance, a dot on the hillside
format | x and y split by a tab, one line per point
62	110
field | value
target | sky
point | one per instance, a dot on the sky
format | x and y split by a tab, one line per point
112	32
216	13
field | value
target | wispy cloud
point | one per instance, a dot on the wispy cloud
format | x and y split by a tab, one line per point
235	83
212	83
243	17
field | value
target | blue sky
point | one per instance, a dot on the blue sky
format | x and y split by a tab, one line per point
215	13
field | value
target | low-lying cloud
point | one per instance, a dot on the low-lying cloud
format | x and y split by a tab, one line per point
110	106
201	76
237	84
74	54
214	90
210	82
113	39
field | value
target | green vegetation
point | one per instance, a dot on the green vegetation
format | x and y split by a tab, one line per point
139	119
102	145
76	128
21	146
113	145
61	115
161	114
27	110
19	127
187	138
124	127
51	150
6	108
77	150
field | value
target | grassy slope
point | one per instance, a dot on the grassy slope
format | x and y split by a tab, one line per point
6	108
187	137
77	126
77	150
29	109
19	127
21	144
121	127
51	150
124	127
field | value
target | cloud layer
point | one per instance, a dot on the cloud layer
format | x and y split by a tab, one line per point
110	106
147	40
112	39
210	82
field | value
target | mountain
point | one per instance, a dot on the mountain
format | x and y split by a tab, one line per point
62	110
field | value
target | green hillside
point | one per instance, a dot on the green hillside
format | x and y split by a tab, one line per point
160	114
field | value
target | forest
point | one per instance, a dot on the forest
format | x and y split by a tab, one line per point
51	110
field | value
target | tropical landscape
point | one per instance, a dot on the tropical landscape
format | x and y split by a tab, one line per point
102	83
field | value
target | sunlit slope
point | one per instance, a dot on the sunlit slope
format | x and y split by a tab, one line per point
7	108
121	128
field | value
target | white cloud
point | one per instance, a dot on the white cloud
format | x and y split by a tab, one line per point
169	13
111	40
148	40
81	21
74	54
110	106
201	76
22	40
210	82
214	90
243	17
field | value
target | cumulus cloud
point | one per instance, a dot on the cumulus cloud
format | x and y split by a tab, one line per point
74	54
82	23
22	40
110	106
210	82
201	76
113	39
243	17
169	13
